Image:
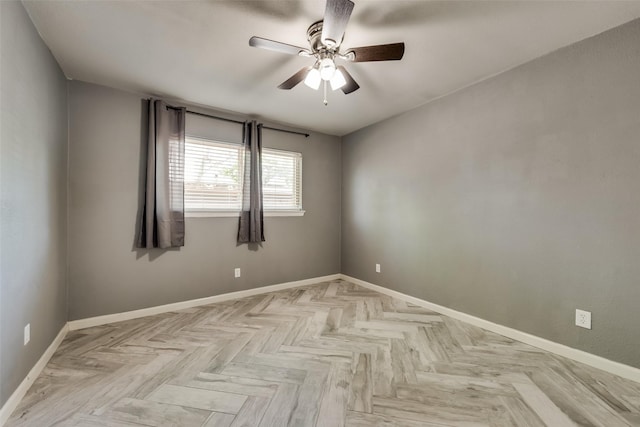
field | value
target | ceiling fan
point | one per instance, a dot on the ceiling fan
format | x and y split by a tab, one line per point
324	38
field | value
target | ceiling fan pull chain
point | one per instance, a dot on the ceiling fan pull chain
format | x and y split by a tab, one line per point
325	93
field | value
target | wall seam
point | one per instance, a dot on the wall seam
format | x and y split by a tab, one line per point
68	206
340	211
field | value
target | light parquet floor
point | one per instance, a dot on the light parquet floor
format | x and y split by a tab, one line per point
330	354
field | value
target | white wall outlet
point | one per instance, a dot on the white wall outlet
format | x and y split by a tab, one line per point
27	333
583	319
377	268
236	273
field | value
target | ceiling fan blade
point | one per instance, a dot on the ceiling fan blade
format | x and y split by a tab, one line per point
351	85
276	46
381	52
295	79
336	16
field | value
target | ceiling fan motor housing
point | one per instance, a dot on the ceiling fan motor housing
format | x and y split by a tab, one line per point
314	36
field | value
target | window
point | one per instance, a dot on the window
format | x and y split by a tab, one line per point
214	173
212	176
281	180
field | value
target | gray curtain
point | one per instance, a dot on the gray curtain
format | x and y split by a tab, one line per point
251	228
162	221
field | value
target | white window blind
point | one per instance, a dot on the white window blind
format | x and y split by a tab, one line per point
281	180
214	173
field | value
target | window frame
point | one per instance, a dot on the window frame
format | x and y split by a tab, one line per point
230	213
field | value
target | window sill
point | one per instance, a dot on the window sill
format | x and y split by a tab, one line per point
220	214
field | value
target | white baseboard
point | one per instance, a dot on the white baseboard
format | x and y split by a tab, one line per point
14	400
607	365
622	370
128	315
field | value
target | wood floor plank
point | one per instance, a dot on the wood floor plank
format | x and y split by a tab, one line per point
382	372
211	400
160	370
402	363
263	372
570	395
84	420
227	354
543	406
151	413
412	317
310	393
415	411
333	407
403	410
227	384
281	406
252	411
321	354
521	414
361	390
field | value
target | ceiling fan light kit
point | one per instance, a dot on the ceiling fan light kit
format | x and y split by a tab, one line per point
325	38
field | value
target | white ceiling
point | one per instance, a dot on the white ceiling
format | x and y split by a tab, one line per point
198	51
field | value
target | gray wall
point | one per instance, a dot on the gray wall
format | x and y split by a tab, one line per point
33	172
108	276
515	200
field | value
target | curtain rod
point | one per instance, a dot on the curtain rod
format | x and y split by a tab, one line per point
306	135
212	117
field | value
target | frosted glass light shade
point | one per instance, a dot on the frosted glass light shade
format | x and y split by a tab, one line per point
327	69
313	79
337	81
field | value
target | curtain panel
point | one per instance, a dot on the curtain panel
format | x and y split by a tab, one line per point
162	221
251	227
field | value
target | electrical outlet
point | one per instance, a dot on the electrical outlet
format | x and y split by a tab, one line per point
27	333
583	319
237	273
377	268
